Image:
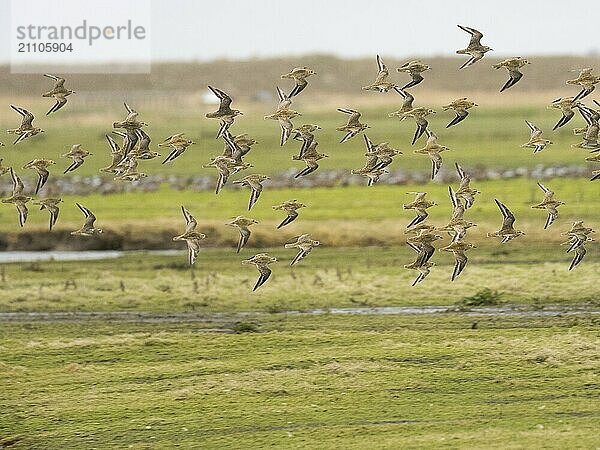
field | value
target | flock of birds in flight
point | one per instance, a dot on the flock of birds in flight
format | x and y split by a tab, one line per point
136	146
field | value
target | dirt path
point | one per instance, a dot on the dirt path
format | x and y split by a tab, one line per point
181	317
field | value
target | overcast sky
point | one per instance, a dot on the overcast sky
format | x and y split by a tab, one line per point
209	29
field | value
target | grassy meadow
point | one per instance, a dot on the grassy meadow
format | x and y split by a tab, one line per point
302	382
489	137
344	277
253	375
339	216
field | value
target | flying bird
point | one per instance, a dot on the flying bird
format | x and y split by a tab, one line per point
116	153
223	165
50	205
236	147
191	237
420	204
310	158
433	150
58	92
414	69
305	134
142	151
178	144
77	156
41	167
242	224
590	131
578	236
18	198
422	244
407	104
507	231
457	226
261	261
381	82
535	140
353	126
224	113
88	228
464	191
284	115
304	243
458	248
460	108
131	125
26	128
566	105
475	49
291	207
587	80
513	66
550	204
299	75
419	115
254	182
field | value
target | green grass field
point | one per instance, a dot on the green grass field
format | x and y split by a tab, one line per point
489	137
303	382
345	277
338	217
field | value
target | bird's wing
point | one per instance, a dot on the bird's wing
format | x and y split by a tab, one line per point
265	273
380	64
90	218
507	215
459	171
42	178
547	192
244	236
222	96
475	35
190	221
114	147
18	186
23	212
535	131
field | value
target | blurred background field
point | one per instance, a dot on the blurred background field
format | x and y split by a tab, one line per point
361	229
142	214
243	369
174	98
340	216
